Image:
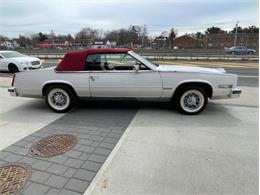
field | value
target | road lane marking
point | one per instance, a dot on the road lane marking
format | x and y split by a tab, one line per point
247	76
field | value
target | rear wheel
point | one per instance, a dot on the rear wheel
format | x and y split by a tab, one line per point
250	52
60	98
13	68
191	100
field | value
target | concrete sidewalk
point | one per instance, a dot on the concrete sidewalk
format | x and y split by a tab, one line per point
163	152
20	117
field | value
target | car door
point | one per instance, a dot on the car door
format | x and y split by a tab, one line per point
114	75
241	50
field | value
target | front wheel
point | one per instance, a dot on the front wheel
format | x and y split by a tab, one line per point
13	68
192	100
59	99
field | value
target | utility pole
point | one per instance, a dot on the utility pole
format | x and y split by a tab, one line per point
52	36
235	41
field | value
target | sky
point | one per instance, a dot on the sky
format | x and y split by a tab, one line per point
28	17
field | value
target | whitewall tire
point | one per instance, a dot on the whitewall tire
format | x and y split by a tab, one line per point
192	100
60	98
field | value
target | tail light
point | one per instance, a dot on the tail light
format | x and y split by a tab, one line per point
13	80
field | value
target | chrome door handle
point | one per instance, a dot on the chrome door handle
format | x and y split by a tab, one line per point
93	78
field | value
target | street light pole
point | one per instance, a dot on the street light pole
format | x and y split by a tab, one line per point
52	36
235	41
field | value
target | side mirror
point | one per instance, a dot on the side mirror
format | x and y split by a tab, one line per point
136	68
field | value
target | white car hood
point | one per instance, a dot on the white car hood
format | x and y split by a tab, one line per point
176	68
25	59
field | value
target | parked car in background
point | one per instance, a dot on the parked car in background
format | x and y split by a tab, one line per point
123	74
239	50
14	61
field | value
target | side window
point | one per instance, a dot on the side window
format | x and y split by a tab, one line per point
122	62
119	62
94	62
112	62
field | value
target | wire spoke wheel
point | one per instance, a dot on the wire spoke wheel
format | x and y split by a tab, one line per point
58	99
192	100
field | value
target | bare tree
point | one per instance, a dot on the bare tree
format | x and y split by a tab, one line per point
87	35
164	34
112	35
24	41
127	37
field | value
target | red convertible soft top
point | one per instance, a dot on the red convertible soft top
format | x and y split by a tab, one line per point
75	61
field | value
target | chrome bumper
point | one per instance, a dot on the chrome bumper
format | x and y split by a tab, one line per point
12	91
229	93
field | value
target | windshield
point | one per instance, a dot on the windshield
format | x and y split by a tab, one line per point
12	54
142	59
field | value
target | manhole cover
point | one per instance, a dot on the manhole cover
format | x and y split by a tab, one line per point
53	145
13	177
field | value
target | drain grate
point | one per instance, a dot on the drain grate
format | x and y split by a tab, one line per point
53	145
13	178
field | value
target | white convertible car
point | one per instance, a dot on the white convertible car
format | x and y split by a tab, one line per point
123	74
14	61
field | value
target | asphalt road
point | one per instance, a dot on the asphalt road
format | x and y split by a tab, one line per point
246	76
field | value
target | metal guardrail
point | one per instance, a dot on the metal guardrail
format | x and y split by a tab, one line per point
168	56
204	57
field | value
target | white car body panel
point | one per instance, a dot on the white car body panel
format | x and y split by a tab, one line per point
39	78
158	83
171	80
143	84
176	68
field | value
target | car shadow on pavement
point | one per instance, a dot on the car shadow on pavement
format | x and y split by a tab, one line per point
95	104
214	115
212	111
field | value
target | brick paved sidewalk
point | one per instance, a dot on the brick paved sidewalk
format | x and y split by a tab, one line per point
97	130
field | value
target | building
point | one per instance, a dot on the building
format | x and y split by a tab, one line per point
9	45
187	42
221	40
160	42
